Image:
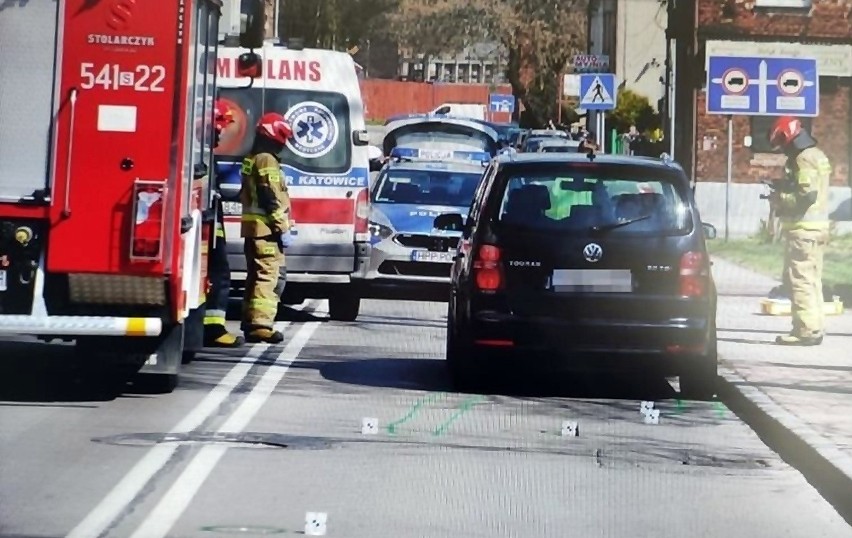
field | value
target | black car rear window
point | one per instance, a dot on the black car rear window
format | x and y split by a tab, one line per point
580	197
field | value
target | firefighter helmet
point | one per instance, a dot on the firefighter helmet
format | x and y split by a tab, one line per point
222	115
784	130
273	126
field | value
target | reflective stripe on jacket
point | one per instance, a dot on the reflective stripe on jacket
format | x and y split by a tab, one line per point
266	203
806	208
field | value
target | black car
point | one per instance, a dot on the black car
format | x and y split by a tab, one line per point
576	262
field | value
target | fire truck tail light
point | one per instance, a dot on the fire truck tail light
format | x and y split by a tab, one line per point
148	225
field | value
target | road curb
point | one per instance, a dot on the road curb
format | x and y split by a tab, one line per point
825	467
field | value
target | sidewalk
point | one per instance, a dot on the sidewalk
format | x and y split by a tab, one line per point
803	391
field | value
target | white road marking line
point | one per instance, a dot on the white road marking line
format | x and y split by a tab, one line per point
100	518
173	504
122	495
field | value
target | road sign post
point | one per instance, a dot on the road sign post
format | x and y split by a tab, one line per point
754	86
597	92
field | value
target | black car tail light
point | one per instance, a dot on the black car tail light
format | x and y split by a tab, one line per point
487	271
694	274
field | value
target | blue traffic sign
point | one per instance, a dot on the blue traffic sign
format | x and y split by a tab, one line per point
501	103
753	86
597	91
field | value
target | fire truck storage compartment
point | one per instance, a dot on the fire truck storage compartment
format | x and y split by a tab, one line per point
21	243
28	33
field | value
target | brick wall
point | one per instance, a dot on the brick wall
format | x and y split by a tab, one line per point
825	19
828	21
831	129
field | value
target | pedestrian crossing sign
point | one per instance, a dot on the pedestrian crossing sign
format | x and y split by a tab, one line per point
597	91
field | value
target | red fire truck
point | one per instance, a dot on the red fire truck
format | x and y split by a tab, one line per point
105	145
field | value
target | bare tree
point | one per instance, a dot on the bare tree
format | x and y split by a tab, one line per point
539	35
331	24
433	27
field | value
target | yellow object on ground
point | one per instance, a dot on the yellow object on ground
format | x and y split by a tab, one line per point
782	307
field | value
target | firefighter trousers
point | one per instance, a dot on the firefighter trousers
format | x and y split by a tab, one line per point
803	262
265	280
219	273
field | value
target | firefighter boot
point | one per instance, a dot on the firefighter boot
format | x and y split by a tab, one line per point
264	335
218	336
793	340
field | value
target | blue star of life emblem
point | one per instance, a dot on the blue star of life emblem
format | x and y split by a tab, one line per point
315	129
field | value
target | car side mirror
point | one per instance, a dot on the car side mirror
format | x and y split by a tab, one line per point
360	137
249	64
709	230
450	222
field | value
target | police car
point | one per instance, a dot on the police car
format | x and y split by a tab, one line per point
408	256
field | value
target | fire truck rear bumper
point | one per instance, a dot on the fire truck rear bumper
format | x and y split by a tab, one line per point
80	326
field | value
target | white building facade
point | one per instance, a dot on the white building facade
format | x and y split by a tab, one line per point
640	55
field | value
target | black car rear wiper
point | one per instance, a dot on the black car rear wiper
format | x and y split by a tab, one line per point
614	225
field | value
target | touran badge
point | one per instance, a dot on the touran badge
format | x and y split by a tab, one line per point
593	252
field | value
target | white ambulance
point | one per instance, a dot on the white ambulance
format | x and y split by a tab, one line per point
326	165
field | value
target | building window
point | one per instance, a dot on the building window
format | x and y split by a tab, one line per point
800	4
760	126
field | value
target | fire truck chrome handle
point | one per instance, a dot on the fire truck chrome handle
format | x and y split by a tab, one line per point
66	211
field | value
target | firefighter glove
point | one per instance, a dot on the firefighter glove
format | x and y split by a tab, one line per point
286	239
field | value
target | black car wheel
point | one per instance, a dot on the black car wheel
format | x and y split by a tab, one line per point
699	379
344	307
461	362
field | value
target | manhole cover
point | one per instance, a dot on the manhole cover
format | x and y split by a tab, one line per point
232	440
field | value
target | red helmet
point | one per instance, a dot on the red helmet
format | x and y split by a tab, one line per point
273	126
222	115
785	129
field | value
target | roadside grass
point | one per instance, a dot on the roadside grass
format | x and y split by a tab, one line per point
768	259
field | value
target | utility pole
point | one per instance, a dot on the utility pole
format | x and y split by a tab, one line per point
668	115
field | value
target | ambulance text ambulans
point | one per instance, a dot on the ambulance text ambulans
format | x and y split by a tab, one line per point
326	165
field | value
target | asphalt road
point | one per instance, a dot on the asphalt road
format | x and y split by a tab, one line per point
250	442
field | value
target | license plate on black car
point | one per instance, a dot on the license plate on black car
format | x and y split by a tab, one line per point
592	280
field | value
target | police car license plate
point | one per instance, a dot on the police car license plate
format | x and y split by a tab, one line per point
592	280
429	256
232	208
2	280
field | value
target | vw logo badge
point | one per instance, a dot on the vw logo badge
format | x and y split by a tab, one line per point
593	252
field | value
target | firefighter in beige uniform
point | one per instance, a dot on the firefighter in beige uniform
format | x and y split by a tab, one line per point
266	228
218	271
803	210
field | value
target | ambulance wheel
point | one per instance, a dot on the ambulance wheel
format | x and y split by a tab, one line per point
344	306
